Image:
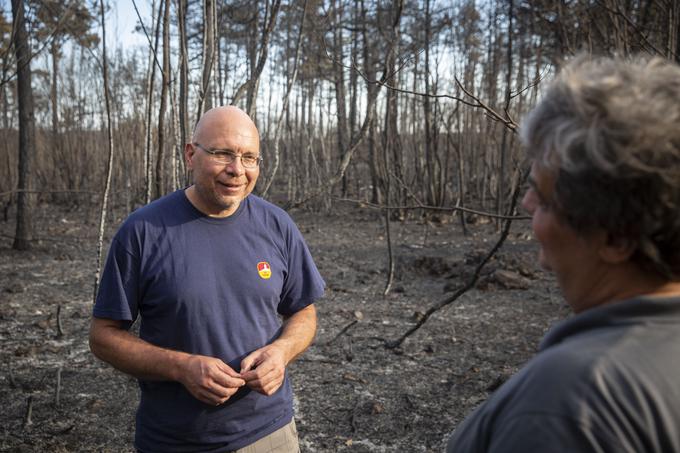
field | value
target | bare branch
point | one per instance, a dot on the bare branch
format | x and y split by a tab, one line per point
368	204
347	156
148	38
475	276
45	43
507	122
632	24
532	84
262	57
284	107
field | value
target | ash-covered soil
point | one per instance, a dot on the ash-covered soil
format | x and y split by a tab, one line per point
352	393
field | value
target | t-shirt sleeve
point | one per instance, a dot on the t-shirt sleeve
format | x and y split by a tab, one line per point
548	433
117	297
302	284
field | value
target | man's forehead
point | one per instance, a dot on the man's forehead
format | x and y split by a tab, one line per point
217	129
241	132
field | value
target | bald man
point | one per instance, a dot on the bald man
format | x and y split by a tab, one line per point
224	286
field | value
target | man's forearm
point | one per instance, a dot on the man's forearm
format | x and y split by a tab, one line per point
297	333
208	379
133	355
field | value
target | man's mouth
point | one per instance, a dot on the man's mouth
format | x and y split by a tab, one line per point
230	187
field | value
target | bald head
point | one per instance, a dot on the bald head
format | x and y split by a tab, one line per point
224	121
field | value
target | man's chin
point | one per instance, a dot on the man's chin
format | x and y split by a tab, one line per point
230	202
231	198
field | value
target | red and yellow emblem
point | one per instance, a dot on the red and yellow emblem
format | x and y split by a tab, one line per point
264	269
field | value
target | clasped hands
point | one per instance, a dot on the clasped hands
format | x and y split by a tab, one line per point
213	382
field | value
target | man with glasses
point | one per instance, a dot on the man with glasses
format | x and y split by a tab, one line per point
209	270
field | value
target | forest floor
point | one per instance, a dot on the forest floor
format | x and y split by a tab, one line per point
352	393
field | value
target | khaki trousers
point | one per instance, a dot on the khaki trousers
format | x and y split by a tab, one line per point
284	440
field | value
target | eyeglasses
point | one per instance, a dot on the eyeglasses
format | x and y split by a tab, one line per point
225	157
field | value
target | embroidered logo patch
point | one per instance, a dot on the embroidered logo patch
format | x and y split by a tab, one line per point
264	269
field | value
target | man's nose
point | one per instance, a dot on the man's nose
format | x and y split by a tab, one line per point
236	167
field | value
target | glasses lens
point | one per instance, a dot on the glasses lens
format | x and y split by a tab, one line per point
249	161
222	157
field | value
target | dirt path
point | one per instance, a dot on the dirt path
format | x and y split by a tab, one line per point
352	393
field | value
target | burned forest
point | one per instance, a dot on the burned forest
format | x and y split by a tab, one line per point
389	131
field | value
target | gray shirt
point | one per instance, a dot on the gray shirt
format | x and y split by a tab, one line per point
605	380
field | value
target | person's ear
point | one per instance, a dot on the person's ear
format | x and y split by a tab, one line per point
189	152
615	250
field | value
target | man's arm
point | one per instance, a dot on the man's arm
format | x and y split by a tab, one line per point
264	368
207	378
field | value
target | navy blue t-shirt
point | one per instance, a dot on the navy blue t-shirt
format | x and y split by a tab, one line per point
213	287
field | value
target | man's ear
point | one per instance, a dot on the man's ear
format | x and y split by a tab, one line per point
616	250
189	152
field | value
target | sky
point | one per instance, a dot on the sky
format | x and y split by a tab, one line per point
120	21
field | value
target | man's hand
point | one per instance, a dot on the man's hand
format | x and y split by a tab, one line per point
209	380
264	369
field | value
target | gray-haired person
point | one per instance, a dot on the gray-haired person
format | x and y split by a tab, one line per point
604	198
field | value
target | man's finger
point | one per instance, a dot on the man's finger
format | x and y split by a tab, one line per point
228	370
261	380
263	369
265	387
248	363
223	389
224	380
217	394
209	398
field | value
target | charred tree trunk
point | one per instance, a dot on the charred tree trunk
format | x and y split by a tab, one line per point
25	199
370	72
500	194
109	163
427	115
160	156
148	168
183	71
339	81
54	51
205	101
284	107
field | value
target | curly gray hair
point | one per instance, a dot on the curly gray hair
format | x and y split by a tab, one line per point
609	130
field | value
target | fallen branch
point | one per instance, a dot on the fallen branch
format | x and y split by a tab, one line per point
368	204
57	392
349	355
342	331
89	192
12	382
78	239
60	330
29	412
473	279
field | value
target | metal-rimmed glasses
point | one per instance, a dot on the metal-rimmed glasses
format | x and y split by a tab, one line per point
226	157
